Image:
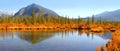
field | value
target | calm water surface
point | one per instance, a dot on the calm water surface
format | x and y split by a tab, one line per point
52	41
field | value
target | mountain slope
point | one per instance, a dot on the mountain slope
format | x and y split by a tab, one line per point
26	11
110	16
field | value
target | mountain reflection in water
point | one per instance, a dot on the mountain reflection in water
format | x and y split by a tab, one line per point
35	37
76	40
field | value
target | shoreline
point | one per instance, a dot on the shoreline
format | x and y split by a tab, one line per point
57	27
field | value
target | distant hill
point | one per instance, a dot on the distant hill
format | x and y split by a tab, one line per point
109	16
5	13
27	11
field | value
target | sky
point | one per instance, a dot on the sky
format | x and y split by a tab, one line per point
71	8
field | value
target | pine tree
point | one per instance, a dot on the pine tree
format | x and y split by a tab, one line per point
79	19
34	16
100	21
92	18
88	20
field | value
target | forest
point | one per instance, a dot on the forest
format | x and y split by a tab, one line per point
49	21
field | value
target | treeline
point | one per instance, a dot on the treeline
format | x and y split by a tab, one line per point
49	19
37	20
100	21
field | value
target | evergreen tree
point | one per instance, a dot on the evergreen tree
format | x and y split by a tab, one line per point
92	18
100	21
34	16
88	20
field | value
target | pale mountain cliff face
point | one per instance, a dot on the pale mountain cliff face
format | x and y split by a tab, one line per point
27	11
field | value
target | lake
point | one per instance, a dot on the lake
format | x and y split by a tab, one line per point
75	40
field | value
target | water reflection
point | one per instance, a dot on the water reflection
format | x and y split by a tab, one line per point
4	35
104	35
74	40
35	37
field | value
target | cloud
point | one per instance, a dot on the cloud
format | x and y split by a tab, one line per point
7	12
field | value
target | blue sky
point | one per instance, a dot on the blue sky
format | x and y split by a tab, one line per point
72	8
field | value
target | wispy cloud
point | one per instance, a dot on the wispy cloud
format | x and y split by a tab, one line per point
7	12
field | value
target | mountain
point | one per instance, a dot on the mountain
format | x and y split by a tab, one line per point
26	11
109	15
5	13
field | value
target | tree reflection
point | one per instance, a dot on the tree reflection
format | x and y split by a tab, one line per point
104	35
4	35
36	37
